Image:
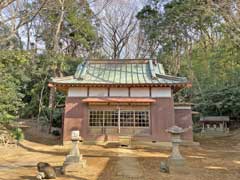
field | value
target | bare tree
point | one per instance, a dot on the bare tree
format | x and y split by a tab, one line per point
116	26
5	3
140	46
59	24
16	14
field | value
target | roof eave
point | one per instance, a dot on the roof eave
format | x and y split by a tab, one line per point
175	86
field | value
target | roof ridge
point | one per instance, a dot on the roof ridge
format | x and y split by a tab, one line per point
133	61
62	78
152	69
169	77
81	70
129	59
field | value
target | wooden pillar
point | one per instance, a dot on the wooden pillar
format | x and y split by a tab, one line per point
63	113
103	127
119	129
134	123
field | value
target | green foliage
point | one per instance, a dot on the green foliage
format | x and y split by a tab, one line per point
12	81
79	24
17	134
41	72
77	30
23	77
57	118
24	74
172	24
216	79
56	133
10	42
223	101
192	41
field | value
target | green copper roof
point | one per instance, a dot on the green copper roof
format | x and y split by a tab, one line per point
120	72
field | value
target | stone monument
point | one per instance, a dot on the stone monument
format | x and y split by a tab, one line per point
74	159
176	158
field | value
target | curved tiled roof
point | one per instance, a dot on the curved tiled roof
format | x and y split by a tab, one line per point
120	73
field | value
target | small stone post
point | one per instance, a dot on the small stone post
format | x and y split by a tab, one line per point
74	159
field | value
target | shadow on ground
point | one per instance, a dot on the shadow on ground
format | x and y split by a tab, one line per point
66	176
34	134
30	149
28	177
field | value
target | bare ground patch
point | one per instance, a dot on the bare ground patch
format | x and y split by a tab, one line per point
215	159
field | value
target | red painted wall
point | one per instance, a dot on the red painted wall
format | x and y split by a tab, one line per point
183	118
75	117
162	116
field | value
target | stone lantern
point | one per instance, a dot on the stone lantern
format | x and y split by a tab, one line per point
176	157
74	159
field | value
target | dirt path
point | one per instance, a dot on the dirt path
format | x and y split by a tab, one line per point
128	166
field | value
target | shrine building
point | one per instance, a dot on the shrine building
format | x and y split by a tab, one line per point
107	99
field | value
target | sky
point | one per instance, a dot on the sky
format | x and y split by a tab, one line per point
98	4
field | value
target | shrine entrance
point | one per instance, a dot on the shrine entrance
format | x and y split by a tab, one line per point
119	120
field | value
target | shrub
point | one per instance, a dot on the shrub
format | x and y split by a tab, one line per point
17	134
56	133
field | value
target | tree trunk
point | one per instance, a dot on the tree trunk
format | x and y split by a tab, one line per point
51	105
57	34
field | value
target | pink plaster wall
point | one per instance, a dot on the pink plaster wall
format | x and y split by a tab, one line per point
162	117
183	118
75	117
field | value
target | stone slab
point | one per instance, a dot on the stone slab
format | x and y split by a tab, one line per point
129	167
176	162
75	167
73	159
